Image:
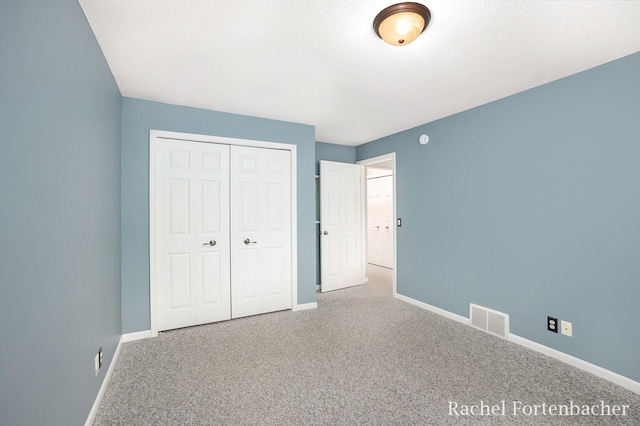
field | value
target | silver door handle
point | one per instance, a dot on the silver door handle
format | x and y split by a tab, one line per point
386	227
325	233
248	241
210	243
377	227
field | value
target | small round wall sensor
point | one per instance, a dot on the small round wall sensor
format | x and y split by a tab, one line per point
423	139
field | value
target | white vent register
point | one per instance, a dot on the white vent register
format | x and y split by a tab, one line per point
493	322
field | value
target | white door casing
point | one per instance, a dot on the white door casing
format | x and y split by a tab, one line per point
261	230
155	221
341	225
193	233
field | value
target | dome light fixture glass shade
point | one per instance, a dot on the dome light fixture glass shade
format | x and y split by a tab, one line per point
401	23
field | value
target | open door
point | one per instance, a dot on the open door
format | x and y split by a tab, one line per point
341	225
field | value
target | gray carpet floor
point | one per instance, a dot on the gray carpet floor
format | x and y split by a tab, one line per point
361	358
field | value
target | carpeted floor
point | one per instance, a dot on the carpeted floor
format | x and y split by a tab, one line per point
361	358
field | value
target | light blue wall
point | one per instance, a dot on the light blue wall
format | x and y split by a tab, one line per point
59	213
530	205
138	117
333	152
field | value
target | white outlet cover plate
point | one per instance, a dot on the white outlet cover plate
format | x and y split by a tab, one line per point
567	328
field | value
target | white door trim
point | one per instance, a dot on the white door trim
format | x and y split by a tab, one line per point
369	162
154	135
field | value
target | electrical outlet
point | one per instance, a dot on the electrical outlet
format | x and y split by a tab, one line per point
567	328
552	324
98	361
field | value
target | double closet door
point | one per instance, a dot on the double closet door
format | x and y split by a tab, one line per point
380	221
223	232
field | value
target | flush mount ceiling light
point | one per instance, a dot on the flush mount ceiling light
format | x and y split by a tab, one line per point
402	23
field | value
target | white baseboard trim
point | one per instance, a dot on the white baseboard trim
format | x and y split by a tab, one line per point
130	337
305	306
450	315
616	378
103	387
609	375
317	287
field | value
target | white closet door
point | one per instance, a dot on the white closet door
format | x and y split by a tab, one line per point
374	221
192	231
386	225
260	230
380	221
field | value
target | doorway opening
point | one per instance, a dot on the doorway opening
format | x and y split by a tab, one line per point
380	214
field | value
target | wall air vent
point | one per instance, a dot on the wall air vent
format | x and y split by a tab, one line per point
488	320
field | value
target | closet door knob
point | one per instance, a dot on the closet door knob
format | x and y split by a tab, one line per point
210	243
325	233
248	241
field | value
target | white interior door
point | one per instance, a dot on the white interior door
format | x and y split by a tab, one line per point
192	231
341	225
260	230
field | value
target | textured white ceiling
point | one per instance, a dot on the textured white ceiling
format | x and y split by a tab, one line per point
320	62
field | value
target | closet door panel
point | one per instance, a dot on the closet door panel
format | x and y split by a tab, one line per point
192	231
260	230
